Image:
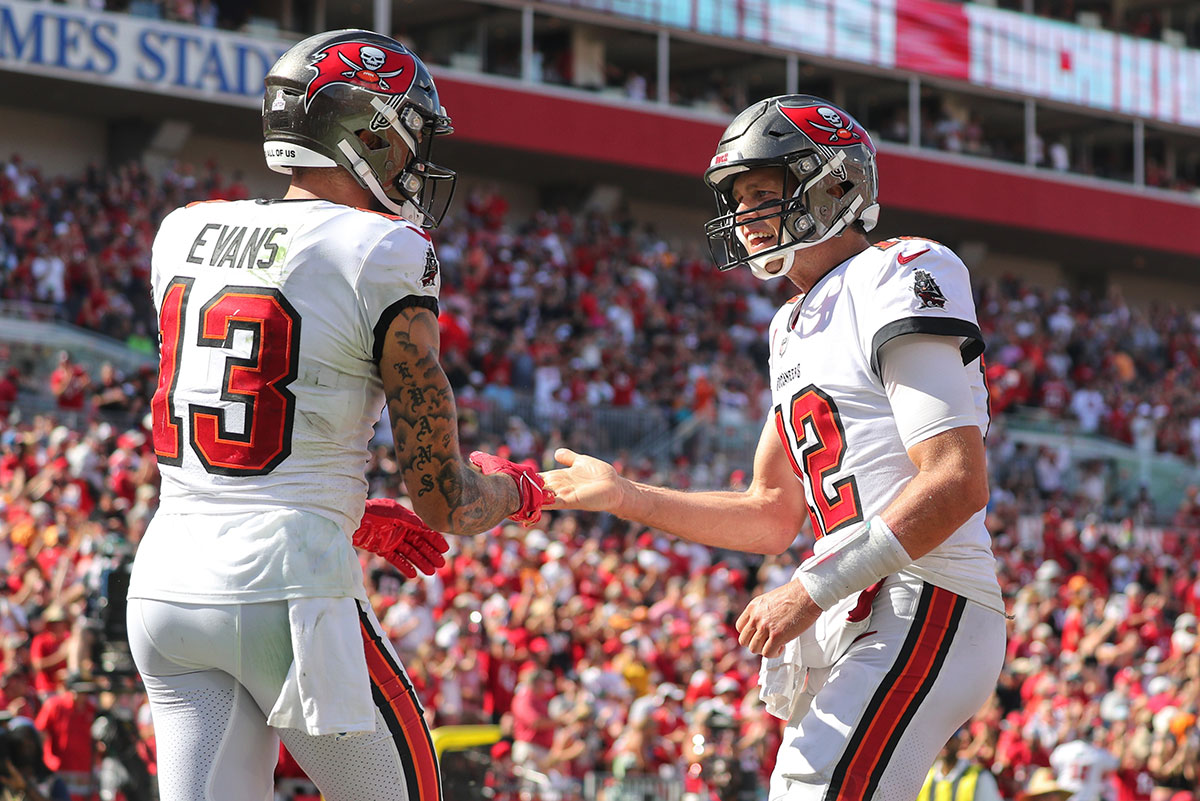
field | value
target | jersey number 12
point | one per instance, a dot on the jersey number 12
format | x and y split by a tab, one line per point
817	435
259	382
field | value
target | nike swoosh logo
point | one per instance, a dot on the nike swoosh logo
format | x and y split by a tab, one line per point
903	259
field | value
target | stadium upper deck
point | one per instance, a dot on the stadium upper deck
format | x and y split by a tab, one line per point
1075	148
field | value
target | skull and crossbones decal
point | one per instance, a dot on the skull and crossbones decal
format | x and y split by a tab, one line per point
372	59
838	129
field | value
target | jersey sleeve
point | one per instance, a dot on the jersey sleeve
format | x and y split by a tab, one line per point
400	271
920	287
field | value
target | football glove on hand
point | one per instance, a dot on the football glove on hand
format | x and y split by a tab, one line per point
530	486
401	537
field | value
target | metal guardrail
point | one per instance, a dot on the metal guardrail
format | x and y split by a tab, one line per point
1167	477
648	787
23	329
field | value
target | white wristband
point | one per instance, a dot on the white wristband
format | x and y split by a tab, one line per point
852	565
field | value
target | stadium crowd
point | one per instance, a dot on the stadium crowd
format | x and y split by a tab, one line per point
600	646
604	647
587	309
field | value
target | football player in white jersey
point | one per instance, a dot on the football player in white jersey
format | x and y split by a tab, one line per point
1084	768
285	327
876	435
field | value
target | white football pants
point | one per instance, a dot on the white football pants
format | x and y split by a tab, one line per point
927	663
213	673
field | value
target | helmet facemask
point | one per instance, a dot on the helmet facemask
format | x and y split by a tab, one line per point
420	191
818	209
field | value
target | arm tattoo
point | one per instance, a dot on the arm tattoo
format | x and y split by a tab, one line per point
425	428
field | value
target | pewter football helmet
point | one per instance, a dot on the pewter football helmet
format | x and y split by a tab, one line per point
323	91
818	146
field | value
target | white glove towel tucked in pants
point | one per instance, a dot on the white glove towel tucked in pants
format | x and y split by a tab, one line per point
215	672
926	663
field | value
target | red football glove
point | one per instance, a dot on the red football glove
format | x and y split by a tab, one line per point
401	537
530	486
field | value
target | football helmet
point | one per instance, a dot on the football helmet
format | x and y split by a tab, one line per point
830	182
325	90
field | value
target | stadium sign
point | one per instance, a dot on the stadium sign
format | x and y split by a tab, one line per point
969	42
135	53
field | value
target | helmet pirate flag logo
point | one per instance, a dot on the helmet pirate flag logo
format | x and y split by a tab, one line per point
368	66
827	125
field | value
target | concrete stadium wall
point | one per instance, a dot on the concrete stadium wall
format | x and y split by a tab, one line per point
1139	290
58	144
231	155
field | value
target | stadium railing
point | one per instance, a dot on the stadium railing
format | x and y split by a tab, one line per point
23	328
632	787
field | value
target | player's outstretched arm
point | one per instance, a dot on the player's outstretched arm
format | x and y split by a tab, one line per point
446	492
765	518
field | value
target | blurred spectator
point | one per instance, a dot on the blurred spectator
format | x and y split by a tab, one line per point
1043	787
24	776
69	383
48	652
1060	156
532	726
1083	768
122	775
65	722
956	778
9	389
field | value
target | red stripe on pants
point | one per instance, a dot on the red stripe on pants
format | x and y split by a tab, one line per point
914	674
400	700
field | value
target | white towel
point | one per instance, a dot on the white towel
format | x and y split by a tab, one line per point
327	689
788	682
782	680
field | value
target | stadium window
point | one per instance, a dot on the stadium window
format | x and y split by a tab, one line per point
349	15
1172	160
456	43
980	125
569	53
720	80
1083	144
879	104
628	59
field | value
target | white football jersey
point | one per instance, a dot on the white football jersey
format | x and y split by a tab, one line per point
1081	768
831	409
271	320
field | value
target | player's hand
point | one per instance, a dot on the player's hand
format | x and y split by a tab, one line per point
772	620
530	487
401	537
587	483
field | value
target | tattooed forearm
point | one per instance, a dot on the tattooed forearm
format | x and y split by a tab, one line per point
447	493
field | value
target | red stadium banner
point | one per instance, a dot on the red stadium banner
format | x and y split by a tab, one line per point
933	38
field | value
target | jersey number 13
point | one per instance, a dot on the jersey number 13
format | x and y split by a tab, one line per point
259	381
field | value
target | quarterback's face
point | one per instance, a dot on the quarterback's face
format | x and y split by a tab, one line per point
757	194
